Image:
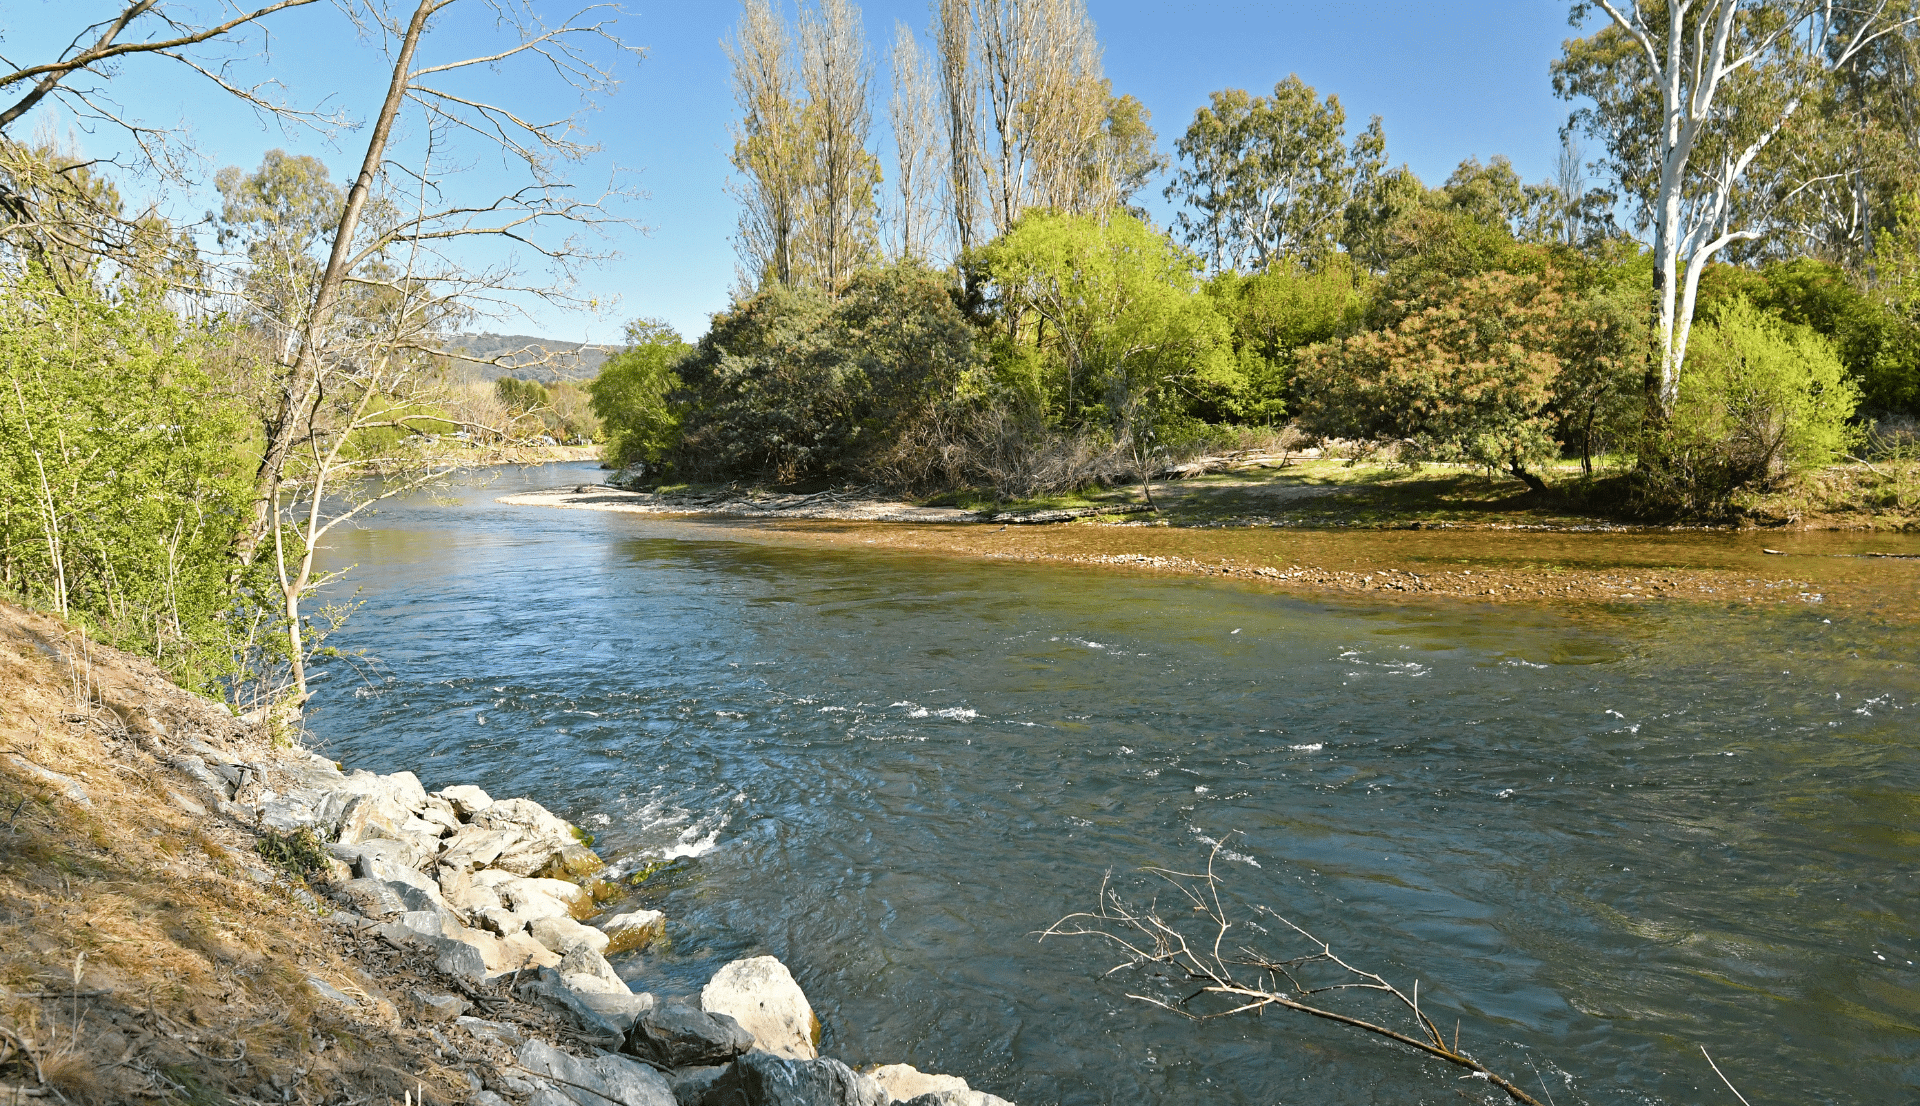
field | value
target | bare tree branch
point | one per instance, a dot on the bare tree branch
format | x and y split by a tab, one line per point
1148	939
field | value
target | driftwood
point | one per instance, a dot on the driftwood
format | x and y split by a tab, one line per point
1241	980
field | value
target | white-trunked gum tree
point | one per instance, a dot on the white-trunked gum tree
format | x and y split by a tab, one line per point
1700	105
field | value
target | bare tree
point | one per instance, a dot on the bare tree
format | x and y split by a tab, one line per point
367	232
1061	129
1690	94
140	28
770	145
911	111
55	204
959	118
1008	33
840	231
1189	949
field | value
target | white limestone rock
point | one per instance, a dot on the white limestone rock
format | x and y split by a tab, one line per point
761	995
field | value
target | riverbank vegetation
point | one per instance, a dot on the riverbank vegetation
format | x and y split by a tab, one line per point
978	310
191	407
1712	323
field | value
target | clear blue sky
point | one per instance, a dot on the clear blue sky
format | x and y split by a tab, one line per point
1450	81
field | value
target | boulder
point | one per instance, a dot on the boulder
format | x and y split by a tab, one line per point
465	799
458	959
561	934
636	930
457	888
604	1079
904	1081
691	1085
622	1009
584	970
761	995
675	1035
956	1098
440	1007
763	1079
364	817
473	847
572	861
427	923
291	813
197	768
497	1032
526	814
372	897
544	989
416	826
403	788
440	812
540	837
519	951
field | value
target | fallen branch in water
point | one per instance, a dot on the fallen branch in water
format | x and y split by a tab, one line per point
1147	939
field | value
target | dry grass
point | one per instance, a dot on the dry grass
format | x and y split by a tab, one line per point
143	956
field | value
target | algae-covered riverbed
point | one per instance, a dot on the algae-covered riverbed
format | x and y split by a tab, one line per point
1601	834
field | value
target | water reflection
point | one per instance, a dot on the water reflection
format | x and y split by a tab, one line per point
1600	840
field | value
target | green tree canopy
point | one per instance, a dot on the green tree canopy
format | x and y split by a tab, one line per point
1266	178
634	394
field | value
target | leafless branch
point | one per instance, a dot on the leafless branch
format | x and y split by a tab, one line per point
1239	979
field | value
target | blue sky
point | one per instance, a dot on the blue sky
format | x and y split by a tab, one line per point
1449	80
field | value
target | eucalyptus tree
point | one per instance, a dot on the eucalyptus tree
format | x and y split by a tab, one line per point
1264	178
959	119
1696	103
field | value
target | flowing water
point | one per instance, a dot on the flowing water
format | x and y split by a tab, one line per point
1599	839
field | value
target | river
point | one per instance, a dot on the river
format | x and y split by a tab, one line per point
1600	839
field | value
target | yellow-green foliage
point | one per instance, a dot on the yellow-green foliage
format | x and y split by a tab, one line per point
122	476
633	395
1759	399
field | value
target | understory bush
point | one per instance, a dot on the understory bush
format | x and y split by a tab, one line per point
123	471
1760	399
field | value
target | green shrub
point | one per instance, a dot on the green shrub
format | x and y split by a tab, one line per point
299	854
1467	374
634	395
1760	399
793	385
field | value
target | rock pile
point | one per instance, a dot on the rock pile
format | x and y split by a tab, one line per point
495	889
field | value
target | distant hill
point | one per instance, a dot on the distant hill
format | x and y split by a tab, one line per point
529	358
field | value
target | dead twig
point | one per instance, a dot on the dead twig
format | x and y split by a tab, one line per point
1723	1077
1147	940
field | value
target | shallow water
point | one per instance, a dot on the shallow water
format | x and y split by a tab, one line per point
1599	839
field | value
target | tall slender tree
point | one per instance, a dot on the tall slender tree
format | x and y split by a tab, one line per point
959	118
912	111
840	231
769	146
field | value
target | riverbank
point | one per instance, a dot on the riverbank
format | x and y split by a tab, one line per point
1503	562
195	908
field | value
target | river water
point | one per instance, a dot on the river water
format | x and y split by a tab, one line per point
1599	839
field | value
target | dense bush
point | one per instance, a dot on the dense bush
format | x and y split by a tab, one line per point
789	385
633	395
1761	399
123	471
1466	372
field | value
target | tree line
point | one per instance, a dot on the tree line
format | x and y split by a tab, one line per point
1719	297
